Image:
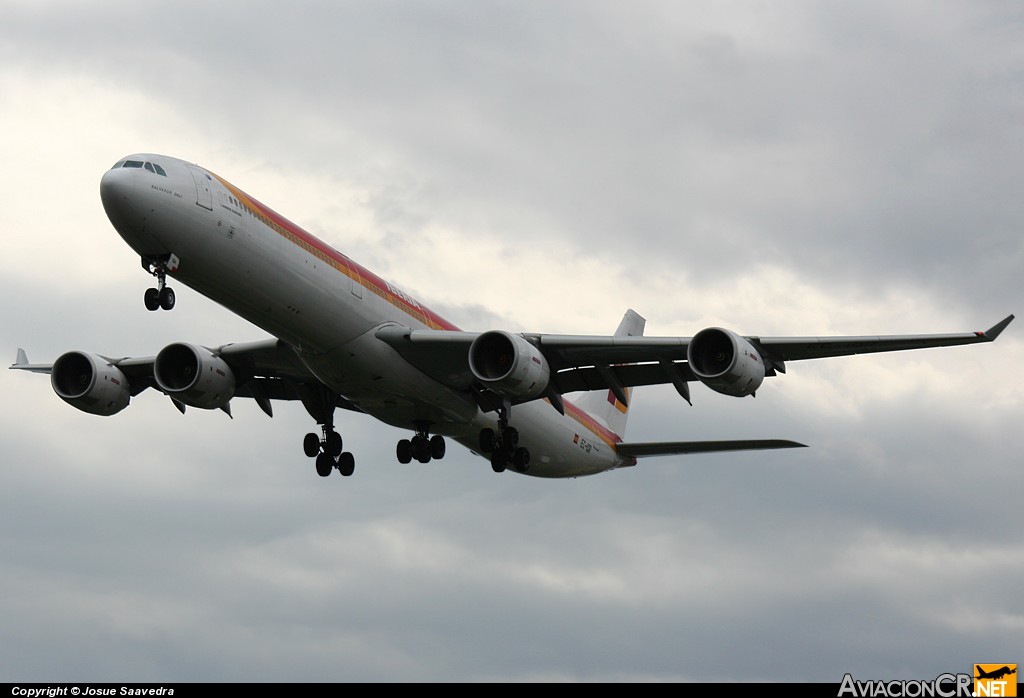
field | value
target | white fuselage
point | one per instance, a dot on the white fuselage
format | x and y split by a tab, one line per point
243	255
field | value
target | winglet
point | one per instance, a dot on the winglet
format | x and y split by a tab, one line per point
994	331
21	364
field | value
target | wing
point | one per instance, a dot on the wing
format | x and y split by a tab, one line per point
264	371
594	362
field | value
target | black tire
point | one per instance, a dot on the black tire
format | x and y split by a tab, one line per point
152	299
420	449
521	459
486	440
167	298
509	437
324	465
346	464
404	451
334	444
499	460
311	445
437	447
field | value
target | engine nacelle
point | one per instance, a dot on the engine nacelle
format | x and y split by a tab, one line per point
509	365
194	376
725	362
89	383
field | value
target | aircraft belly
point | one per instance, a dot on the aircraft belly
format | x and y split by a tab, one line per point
559	445
372	375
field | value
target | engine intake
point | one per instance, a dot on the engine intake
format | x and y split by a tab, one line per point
89	383
194	375
725	362
509	365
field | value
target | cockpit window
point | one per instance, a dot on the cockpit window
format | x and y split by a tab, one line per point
149	166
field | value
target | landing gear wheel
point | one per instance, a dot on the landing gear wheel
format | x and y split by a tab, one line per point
486	440
437	447
166	296
521	459
333	444
509	437
404	451
421	449
152	299
311	445
324	465
499	460
346	464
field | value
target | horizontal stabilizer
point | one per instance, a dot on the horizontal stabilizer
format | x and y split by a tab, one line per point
667	448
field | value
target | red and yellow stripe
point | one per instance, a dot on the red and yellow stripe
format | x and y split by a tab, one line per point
327	254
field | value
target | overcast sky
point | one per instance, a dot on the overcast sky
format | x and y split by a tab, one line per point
777	168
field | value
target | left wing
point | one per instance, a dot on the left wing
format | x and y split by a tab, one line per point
585	362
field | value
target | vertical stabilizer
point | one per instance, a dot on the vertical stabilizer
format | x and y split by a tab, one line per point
602	404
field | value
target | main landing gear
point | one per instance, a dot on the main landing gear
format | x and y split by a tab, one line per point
503	445
163	295
329	450
421	447
328	453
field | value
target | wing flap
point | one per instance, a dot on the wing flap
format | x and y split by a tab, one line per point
630	375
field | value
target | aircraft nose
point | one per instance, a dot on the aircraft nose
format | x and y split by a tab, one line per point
128	209
116	187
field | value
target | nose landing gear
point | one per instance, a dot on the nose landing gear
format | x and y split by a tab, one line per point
163	295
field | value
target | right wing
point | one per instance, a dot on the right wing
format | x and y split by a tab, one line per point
264	371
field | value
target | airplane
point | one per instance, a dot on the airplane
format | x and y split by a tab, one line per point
345	338
996	674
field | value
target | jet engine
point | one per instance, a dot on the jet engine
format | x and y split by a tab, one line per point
725	362
194	376
509	365
89	383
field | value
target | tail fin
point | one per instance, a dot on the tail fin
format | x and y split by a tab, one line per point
602	404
